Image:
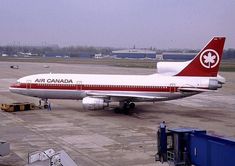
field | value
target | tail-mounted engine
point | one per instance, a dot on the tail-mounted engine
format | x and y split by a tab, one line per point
214	84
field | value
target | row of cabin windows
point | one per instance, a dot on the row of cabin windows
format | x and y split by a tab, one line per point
126	86
107	86
71	85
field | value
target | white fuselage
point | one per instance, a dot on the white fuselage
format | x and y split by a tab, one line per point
153	87
174	80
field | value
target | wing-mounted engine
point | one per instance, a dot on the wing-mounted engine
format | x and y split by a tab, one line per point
171	68
92	103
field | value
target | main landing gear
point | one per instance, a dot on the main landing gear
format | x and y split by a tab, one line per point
125	107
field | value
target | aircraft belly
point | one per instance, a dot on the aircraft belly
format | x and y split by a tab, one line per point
133	96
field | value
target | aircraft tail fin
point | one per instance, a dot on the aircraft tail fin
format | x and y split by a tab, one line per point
206	63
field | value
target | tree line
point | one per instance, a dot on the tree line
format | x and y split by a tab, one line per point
73	51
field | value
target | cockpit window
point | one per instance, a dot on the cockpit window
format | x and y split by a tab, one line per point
17	83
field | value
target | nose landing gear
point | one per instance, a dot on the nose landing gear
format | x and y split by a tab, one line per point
45	103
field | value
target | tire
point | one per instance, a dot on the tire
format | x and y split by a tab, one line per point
126	111
117	110
132	105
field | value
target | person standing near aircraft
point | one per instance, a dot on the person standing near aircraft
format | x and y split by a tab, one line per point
49	106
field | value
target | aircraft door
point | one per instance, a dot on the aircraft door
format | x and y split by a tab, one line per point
172	87
28	84
78	89
79	85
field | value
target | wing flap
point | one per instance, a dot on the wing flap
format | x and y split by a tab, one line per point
122	95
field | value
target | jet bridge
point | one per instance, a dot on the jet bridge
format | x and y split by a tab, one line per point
190	146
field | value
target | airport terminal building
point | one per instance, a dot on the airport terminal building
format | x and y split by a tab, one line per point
149	54
134	53
173	56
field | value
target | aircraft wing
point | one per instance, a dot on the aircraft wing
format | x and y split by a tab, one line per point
122	95
194	90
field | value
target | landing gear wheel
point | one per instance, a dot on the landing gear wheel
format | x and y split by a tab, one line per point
45	104
132	105
125	107
117	110
126	111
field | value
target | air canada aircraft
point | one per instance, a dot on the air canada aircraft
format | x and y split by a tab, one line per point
173	80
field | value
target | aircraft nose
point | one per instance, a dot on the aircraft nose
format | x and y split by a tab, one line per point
13	87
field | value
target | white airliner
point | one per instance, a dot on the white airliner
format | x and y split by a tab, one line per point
174	80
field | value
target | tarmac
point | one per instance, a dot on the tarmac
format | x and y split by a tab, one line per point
105	137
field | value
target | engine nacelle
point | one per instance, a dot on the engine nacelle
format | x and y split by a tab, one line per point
214	84
91	103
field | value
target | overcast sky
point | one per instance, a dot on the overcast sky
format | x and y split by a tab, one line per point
117	23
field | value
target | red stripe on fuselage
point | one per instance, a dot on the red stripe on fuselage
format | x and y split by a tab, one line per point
95	87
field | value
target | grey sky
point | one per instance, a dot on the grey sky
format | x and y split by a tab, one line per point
117	23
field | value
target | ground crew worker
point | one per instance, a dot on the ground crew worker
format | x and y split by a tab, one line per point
49	106
163	124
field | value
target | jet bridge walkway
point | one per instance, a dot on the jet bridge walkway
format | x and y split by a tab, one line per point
190	146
